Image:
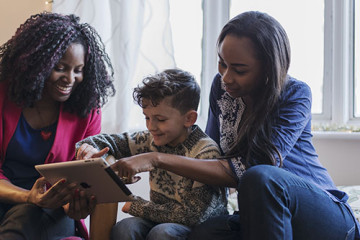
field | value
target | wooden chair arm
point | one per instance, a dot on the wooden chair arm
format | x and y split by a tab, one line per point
102	220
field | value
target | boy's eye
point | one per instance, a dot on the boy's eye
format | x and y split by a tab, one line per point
161	119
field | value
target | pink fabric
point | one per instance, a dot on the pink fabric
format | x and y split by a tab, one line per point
70	129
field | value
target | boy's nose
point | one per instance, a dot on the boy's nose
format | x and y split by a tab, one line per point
151	126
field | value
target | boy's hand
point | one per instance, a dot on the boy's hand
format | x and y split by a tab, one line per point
127	168
87	151
134	179
126	207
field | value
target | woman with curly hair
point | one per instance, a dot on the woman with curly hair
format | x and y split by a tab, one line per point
54	77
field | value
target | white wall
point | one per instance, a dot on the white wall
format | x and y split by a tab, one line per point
340	154
15	12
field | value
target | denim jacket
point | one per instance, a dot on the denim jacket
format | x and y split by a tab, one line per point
291	132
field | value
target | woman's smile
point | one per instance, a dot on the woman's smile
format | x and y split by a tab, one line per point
64	90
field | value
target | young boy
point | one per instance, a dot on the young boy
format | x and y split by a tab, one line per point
169	100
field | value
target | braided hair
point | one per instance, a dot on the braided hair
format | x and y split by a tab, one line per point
27	59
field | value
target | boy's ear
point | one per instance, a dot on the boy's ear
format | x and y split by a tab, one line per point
190	118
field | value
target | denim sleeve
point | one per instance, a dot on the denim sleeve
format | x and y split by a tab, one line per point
291	117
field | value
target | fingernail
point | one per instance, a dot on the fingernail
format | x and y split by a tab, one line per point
63	181
77	193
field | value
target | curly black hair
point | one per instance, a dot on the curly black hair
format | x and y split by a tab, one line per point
27	59
175	83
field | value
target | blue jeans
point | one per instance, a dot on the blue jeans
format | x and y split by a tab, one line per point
276	204
136	228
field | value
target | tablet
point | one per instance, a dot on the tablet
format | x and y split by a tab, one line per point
95	176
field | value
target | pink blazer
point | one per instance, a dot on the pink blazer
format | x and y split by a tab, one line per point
70	129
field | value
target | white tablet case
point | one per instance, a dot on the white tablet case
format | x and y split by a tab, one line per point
93	175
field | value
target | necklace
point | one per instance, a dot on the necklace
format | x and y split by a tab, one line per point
45	132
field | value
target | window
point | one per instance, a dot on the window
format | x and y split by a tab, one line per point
324	37
303	21
186	25
357	59
186	19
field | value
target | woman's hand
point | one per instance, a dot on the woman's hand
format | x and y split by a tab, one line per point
56	196
87	151
127	168
80	205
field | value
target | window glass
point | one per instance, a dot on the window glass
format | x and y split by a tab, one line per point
357	58
304	23
186	18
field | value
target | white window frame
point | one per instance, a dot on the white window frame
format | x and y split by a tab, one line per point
338	64
338	83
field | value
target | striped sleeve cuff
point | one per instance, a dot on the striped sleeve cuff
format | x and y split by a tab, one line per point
237	166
